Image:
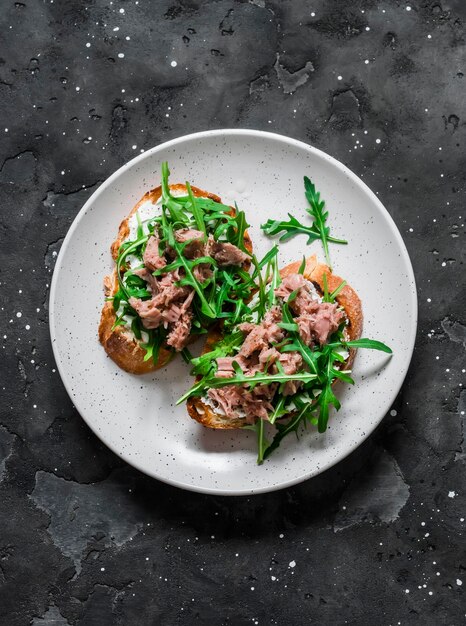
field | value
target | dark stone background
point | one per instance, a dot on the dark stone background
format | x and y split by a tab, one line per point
87	540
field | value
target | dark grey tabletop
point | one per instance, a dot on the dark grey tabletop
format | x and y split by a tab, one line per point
84	87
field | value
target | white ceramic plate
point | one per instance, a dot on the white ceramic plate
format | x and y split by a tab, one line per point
136	416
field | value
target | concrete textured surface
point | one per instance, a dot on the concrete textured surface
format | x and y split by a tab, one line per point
86	540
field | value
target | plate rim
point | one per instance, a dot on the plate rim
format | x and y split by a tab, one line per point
240	132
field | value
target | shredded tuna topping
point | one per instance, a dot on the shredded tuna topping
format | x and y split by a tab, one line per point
224	253
152	258
170	304
316	321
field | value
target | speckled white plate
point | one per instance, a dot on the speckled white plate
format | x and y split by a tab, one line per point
136	416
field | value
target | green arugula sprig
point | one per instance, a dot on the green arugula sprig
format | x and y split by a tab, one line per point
293	227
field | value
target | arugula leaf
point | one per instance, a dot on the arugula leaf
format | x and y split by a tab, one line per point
165	175
320	216
196	390
222	295
368	343
342	376
261	291
136	328
275	280
318	229
140	230
239	306
324	280
289	229
216	209
288	326
265	260
149	348
119	321
174	207
325	399
116	299
179	262
187	356
196	210
156	338
241	226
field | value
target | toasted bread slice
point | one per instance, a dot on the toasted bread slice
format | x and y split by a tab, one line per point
119	343
347	298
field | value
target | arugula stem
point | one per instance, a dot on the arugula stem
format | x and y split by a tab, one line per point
205	306
335	240
277	410
261	443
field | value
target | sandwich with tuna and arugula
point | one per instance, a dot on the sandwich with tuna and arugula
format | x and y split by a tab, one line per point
181	264
275	369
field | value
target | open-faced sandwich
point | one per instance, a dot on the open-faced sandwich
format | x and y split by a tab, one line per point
277	365
181	260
